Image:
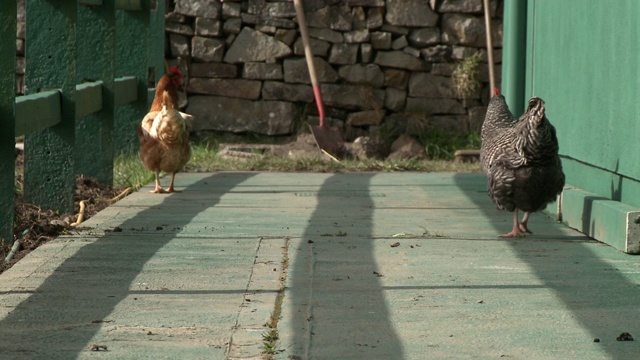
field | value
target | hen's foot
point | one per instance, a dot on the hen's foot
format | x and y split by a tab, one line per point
172	190
158	191
523	227
513	234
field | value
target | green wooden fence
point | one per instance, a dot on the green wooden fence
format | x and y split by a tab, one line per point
581	57
88	68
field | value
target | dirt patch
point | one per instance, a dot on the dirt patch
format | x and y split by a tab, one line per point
36	226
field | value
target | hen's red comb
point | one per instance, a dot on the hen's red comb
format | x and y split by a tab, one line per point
496	91
175	70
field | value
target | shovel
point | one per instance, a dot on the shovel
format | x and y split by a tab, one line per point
328	139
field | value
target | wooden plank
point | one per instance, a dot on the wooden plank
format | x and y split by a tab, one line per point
130	5
8	16
132	59
37	112
88	98
49	177
157	43
125	90
96	60
90	2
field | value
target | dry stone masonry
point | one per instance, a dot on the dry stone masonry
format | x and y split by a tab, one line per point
380	63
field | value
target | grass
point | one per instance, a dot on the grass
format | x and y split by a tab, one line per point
129	171
465	76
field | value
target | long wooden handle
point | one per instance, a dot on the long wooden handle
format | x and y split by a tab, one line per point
309	57
487	23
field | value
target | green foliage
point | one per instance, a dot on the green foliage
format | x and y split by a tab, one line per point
465	76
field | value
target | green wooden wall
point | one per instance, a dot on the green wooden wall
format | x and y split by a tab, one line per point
583	59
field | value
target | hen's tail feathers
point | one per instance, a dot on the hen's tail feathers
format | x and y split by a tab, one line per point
536	110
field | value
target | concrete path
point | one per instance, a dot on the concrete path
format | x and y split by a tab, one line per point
352	266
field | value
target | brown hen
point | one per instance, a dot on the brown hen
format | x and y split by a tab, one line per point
163	133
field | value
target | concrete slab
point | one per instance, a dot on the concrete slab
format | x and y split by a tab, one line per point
374	266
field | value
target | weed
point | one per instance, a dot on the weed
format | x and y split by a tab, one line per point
465	76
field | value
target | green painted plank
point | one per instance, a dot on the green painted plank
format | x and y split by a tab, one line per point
611	222
8	16
130	5
585	65
49	174
514	54
125	89
88	98
96	60
37	112
132	59
90	2
157	43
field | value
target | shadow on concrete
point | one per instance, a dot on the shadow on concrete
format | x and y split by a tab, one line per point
582	274
341	312
68	308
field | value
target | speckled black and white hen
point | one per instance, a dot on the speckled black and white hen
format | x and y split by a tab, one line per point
520	158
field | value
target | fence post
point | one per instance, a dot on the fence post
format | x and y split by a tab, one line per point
8	15
132	59
49	176
96	61
157	38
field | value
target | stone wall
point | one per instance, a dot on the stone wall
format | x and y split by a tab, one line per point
381	63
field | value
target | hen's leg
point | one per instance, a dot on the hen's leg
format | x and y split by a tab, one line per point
516	232
523	224
158	189
170	188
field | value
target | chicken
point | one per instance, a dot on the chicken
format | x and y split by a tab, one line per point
520	158
163	133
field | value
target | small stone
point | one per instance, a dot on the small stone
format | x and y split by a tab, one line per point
625	336
596	340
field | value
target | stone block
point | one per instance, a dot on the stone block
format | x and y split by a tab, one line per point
262	71
207	27
381	40
318	47
207	49
232	26
396	78
231	10
412	13
213	70
237	88
179	45
204	8
177	28
297	71
333	17
438	53
400	60
461	6
375	18
424	37
342	54
428	106
251	46
369	74
430	86
216	113
276	90
329	35
399	43
365	118
366	53
352	97
395	99
357	36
